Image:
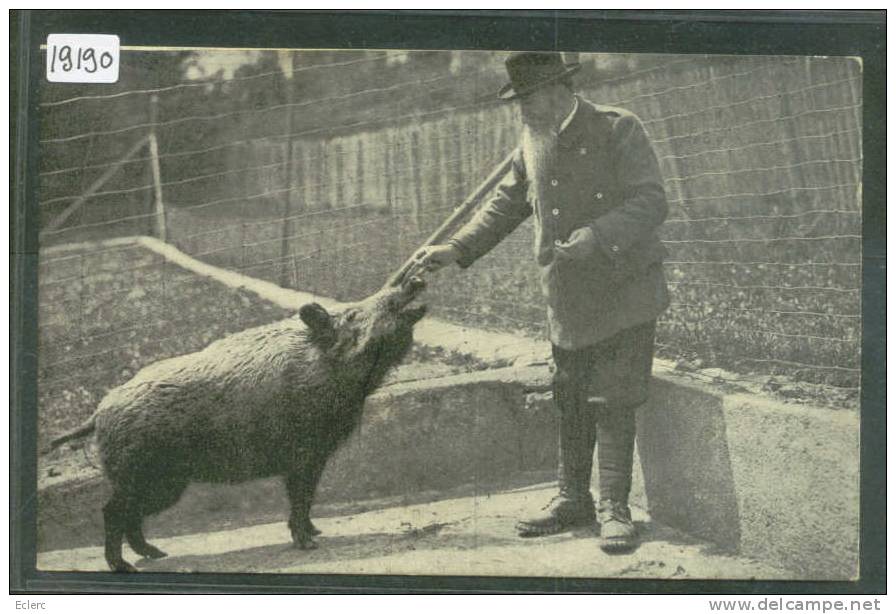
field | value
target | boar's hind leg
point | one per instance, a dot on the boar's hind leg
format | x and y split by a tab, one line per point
138	543
115	515
300	487
162	495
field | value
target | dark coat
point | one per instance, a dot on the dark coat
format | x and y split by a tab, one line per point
607	177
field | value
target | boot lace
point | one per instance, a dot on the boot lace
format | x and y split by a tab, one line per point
555	501
614	510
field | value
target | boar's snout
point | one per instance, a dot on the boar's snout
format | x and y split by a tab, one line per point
415	284
411	288
401	296
397	299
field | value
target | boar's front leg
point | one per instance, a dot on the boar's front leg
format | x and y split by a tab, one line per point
300	487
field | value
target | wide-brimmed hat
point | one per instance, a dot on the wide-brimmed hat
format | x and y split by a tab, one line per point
529	70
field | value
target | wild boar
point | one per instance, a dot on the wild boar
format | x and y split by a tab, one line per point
276	400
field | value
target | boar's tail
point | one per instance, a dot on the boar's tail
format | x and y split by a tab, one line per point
85	429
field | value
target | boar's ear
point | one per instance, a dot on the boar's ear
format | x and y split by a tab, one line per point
319	323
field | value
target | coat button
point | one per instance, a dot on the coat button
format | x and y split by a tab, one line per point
553	182
599	195
614	248
583	151
557	242
555	211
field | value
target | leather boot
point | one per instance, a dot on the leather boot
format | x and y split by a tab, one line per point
573	506
617	532
615	448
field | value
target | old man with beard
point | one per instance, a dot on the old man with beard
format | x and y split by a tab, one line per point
590	175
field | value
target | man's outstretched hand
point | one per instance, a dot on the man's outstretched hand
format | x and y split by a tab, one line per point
433	258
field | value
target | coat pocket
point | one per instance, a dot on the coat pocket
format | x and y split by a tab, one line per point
586	276
639	258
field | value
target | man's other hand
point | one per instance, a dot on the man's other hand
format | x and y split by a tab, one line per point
581	245
434	257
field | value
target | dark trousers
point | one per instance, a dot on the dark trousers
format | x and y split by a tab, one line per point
602	385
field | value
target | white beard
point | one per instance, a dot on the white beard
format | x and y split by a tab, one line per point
539	148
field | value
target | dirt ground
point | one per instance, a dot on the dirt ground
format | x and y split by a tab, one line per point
471	535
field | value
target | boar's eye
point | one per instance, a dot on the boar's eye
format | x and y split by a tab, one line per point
350	316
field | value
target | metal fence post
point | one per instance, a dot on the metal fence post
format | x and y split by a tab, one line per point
82	295
287	59
156	169
415	169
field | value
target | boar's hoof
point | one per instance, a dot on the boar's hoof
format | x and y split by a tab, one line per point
151	552
303	541
122	567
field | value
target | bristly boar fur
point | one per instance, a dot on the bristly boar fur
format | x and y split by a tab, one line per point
272	400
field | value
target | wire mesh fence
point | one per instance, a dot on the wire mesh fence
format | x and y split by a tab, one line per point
324	171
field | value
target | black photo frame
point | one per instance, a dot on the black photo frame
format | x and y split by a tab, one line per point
843	33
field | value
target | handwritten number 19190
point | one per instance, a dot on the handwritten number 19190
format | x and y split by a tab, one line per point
79	58
83	58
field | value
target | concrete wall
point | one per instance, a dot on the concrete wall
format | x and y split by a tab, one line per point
772	481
